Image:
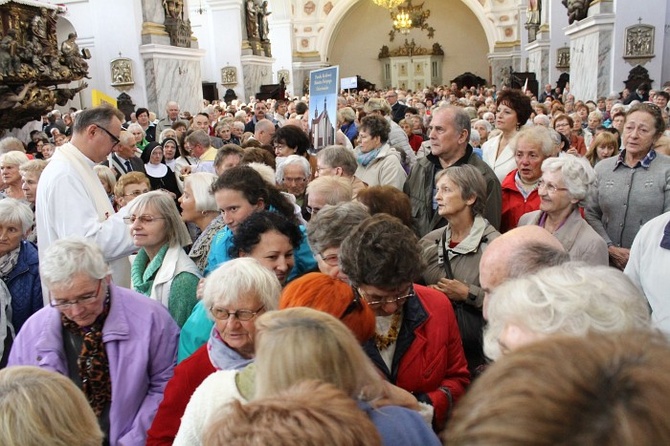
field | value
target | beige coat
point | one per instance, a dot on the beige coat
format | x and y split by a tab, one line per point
577	237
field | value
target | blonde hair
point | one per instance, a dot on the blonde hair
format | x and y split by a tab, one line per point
309	413
106	176
14	157
39	407
130	178
298	344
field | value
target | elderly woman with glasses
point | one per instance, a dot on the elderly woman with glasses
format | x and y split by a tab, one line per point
115	344
161	269
452	254
234	295
566	182
633	187
417	345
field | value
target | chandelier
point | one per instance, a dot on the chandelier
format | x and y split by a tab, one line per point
388	4
402	22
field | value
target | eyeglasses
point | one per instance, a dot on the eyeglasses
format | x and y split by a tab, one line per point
294	180
330	260
355	305
130	219
312	210
399	300
67	304
550	188
136	193
241	315
114	139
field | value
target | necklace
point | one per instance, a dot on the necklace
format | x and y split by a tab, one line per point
384	341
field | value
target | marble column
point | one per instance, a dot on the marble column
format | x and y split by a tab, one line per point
172	74
257	71
591	56
538	61
501	60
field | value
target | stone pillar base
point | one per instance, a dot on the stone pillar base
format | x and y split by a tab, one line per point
591	56
172	74
256	71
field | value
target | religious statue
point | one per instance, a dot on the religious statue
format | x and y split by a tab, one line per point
534	10
263	25
252	20
10	62
10	99
174	8
437	49
63	95
577	9
72	58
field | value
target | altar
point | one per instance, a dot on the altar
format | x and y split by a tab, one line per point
411	67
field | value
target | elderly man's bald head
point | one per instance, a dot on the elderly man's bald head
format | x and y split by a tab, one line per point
521	251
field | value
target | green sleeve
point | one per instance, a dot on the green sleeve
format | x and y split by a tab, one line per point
183	296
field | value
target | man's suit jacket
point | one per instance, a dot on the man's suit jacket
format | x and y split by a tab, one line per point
398	112
119	167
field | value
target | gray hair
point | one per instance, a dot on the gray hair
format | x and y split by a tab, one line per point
198	137
483	122
164	134
163	204
534	256
339	156
460	118
106	175
474	137
16	212
470	181
578	175
33	166
70	256
265	171
347	114
333	224
377	104
10	143
126	138
333	189
536	135
542	120
238	278
136	126
201	188
101	115
572	299
14	157
293	160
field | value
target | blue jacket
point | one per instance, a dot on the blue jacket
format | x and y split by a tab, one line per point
25	286
400	426
140	339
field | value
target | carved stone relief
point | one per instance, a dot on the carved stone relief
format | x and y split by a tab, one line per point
122	72
639	41
563	58
229	76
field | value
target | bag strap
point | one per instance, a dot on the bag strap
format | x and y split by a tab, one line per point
447	264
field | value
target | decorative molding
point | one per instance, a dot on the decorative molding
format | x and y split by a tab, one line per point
171	52
153	29
507	44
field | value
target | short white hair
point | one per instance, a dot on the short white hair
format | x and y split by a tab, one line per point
14	211
578	175
293	160
265	171
572	299
136	126
238	278
201	188
70	256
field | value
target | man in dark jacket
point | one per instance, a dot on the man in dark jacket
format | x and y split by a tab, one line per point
449	134
397	109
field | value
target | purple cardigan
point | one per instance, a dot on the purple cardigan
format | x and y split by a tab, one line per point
140	338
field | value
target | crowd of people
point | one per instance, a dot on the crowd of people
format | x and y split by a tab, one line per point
214	278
